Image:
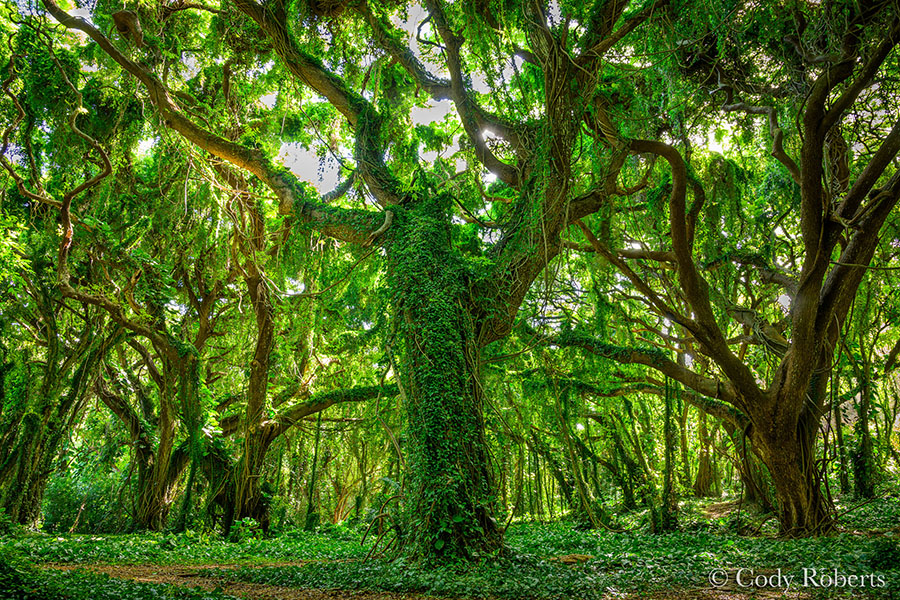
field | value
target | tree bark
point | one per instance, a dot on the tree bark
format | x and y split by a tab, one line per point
450	508
863	456
703	484
789	455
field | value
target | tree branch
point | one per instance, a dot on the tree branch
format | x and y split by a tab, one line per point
653	358
319	402
694	286
361	115
345	224
612	11
472	116
774	130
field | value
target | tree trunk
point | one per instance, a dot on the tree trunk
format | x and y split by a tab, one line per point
249	501
189	398
450	506
863	456
789	455
563	479
703	484
154	497
312	512
668	510
683	441
843	475
42	431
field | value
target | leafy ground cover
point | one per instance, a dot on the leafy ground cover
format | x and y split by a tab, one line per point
543	561
600	566
21	580
189	548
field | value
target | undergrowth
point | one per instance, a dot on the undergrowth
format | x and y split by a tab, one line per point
607	564
187	548
603	564
20	580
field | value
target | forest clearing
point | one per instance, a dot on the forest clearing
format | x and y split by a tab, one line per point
385	299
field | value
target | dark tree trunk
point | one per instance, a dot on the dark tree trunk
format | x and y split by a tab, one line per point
703	484
564	480
668	509
789	454
843	473
863	455
683	442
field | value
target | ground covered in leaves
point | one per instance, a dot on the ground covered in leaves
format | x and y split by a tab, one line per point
708	559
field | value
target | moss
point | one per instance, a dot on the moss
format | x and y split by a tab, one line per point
448	513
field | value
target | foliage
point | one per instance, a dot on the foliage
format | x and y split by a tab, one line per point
87	504
189	547
609	563
638	231
20	580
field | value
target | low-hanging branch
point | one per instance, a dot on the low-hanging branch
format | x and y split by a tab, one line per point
295	413
351	225
656	359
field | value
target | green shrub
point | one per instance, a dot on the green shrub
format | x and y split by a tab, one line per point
245	529
83	503
7	527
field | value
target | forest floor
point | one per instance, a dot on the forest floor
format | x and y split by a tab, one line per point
211	577
545	561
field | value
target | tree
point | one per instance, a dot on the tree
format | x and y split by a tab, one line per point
447	306
573	112
845	192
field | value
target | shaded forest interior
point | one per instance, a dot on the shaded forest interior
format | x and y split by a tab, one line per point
488	299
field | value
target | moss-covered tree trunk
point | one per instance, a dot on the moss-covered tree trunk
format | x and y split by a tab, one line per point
249	501
703	484
42	430
668	509
154	497
863	458
450	492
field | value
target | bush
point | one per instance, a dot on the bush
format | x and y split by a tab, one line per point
7	527
83	504
245	529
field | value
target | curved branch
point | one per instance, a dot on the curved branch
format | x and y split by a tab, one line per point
472	116
767	273
657	360
863	80
345	224
657	302
41	196
843	280
775	131
361	115
694	286
599	41
890	147
319	402
437	87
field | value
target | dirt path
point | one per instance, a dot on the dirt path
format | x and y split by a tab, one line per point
723	509
197	576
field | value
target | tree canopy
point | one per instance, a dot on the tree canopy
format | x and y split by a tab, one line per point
543	213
